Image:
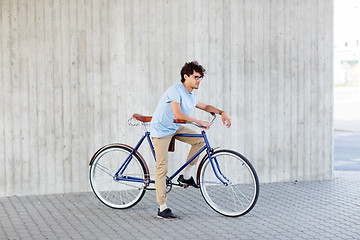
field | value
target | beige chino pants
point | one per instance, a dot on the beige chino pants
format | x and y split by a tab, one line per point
161	146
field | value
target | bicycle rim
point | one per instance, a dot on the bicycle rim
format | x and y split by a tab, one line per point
113	193
239	193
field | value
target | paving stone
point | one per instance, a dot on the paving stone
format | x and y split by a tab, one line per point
305	210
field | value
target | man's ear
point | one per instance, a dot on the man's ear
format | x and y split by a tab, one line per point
186	77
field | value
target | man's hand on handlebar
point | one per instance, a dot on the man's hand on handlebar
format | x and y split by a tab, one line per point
204	124
201	124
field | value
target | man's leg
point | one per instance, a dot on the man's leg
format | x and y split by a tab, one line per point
196	144
161	152
161	146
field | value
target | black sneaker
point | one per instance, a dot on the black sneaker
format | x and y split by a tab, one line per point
166	214
190	181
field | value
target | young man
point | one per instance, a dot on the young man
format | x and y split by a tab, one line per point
177	103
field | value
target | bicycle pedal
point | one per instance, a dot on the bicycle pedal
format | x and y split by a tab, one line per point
186	186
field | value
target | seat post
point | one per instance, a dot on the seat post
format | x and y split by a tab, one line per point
145	128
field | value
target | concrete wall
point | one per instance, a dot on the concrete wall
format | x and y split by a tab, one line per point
73	72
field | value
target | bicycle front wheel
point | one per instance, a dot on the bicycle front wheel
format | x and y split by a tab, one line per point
229	183
111	191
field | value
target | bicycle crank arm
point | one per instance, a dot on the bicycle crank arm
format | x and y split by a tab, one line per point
179	184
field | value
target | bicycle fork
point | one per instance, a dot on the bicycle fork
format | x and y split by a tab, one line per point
214	163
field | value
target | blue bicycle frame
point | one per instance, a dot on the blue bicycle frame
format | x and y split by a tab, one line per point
215	166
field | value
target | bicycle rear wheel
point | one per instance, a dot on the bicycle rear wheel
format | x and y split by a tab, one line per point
238	192
117	193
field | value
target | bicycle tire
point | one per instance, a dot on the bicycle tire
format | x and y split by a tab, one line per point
117	194
240	194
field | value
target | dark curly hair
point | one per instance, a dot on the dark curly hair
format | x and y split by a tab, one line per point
189	69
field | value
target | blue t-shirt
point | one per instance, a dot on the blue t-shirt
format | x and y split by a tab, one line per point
162	124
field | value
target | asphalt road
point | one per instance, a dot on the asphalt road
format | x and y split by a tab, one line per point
346	151
347	127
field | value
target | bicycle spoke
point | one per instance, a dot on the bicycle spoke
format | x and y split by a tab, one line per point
103	168
242	194
235	197
120	197
130	185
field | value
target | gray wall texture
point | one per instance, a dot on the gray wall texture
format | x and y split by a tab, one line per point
73	72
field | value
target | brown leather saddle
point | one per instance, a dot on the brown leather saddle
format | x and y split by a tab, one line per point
142	118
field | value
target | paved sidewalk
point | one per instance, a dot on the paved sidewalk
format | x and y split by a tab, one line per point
305	210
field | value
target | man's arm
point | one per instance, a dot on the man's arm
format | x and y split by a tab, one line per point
182	116
208	108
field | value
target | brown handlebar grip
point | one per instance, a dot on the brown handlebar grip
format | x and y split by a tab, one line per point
179	121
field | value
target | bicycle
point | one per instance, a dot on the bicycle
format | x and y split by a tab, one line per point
119	175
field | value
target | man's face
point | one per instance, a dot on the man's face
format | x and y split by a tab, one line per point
193	80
